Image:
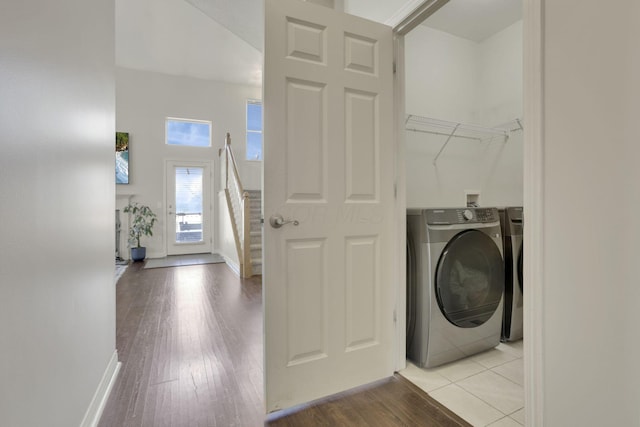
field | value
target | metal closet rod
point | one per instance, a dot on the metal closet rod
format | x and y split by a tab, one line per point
450	129
412	119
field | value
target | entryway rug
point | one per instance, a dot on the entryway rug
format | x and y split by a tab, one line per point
180	260
120	268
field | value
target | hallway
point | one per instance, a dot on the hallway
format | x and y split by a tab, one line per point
190	342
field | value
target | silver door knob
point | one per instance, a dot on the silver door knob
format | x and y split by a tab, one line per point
278	221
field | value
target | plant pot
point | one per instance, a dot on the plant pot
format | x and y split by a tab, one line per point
138	254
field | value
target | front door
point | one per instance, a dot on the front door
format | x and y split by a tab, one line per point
329	295
188	208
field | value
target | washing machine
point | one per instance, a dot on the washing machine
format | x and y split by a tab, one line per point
511	220
455	283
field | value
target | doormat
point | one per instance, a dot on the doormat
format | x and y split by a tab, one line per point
120	268
180	260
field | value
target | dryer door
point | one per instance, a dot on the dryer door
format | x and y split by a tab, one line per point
469	279
520	268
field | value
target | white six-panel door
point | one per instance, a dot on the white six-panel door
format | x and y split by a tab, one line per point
328	292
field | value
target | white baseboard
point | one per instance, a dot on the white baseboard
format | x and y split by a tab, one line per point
94	412
232	265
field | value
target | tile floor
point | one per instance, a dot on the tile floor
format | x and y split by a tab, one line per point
486	389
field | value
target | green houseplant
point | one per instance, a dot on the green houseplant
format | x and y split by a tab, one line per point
142	221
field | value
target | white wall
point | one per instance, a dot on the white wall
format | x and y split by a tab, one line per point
590	200
500	76
459	80
57	296
143	101
441	75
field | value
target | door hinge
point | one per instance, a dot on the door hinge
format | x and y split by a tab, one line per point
395	316
394	67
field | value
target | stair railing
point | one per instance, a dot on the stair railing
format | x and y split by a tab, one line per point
239	206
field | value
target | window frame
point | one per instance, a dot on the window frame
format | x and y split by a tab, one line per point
183	120
248	131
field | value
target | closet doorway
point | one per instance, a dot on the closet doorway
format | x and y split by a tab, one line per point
462	129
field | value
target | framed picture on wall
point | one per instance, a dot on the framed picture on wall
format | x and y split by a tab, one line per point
122	157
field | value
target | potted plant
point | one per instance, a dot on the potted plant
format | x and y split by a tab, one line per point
142	220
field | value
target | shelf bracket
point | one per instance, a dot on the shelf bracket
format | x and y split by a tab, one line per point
519	124
453	132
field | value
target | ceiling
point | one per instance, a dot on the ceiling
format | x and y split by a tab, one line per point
242	17
222	39
475	19
173	37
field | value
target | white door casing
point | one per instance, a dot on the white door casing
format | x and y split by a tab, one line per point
175	247
329	294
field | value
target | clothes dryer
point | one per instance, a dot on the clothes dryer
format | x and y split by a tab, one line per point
455	272
511	220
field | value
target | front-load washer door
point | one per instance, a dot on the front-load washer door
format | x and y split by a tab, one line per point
469	279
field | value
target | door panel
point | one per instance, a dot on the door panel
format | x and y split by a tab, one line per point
306	141
361	145
307	311
362	292
328	291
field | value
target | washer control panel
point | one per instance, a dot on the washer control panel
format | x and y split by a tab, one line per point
461	215
515	214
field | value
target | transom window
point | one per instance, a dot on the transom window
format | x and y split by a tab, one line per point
188	133
254	130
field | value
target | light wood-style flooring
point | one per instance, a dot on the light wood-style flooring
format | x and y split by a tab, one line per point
190	342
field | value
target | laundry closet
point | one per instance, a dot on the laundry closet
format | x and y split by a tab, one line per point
463	133
464	89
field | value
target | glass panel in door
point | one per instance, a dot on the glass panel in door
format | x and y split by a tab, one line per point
189	204
188	227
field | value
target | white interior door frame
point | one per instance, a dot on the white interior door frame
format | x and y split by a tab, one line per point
406	19
414	13
399	267
534	178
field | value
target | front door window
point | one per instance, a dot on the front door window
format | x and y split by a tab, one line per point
189	184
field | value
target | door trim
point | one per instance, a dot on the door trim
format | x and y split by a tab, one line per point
412	14
533	81
533	236
400	266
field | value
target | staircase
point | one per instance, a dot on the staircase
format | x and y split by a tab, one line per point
245	213
255	230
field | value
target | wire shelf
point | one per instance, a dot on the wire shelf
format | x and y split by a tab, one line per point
451	130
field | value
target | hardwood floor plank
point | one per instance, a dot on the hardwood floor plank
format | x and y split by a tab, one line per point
392	402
